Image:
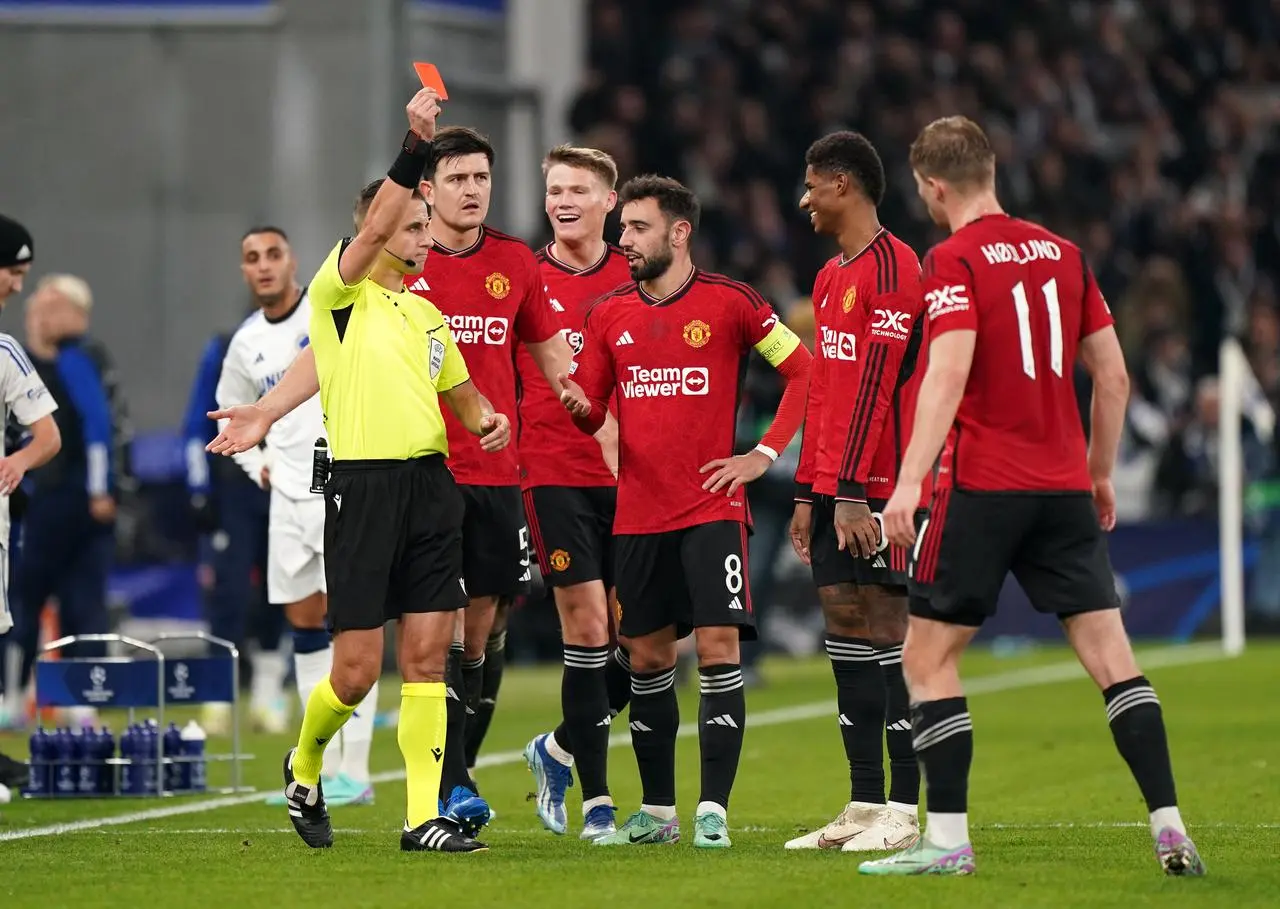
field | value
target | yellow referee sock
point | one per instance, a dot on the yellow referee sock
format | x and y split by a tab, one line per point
323	718
421	737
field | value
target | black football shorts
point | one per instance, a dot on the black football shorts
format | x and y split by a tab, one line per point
691	578
495	542
831	566
392	541
572	531
1051	542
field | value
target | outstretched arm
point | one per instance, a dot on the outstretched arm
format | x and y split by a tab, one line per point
246	425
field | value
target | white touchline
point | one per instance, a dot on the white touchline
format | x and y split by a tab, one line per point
990	684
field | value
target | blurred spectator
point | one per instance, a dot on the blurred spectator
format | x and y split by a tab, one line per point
67	531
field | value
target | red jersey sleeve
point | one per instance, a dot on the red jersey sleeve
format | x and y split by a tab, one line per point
595	373
535	320
948	292
1096	313
887	325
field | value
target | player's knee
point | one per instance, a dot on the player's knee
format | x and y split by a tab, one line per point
651	656
718	646
355	669
1102	646
886	610
307	613
583	615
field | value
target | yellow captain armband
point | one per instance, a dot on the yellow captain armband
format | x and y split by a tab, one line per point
778	344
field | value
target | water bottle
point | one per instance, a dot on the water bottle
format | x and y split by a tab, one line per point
38	769
64	762
172	749
106	771
87	768
193	738
128	770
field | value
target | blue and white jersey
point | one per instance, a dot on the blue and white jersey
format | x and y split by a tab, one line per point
260	352
23	394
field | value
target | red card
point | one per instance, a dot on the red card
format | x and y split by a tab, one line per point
430	77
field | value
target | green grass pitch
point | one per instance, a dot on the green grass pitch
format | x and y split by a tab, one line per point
1057	821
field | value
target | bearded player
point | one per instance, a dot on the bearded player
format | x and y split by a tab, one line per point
570	495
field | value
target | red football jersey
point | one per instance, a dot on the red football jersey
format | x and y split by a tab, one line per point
552	450
491	294
1030	296
866	374
676	364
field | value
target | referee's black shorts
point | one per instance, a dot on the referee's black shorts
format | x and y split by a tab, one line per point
392	541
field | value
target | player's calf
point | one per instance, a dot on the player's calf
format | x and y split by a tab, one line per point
886	609
860	694
655	720
722	722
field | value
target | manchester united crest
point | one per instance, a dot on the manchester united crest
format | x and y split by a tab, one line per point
498	285
559	560
697	333
850	298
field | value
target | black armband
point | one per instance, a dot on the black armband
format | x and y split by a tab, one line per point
411	162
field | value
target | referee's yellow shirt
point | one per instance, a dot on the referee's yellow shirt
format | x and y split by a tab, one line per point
382	358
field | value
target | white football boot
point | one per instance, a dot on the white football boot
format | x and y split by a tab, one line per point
853	820
893	829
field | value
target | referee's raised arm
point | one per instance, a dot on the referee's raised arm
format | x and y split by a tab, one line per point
392	200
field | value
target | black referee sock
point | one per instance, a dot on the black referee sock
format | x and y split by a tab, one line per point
454	772
472	676
722	721
585	705
904	772
944	745
617	683
655	719
495	661
860	698
1137	725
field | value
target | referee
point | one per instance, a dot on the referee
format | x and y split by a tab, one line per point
384	358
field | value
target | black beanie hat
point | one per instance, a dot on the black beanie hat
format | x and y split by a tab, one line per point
16	245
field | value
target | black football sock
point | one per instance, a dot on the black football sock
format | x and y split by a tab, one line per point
1137	725
454	772
472	676
617	681
495	661
655	719
722	721
904	772
585	705
860	698
944	747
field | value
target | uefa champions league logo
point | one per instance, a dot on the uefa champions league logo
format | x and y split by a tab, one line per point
180	690
99	693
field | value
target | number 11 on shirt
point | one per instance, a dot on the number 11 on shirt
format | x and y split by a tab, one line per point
1020	302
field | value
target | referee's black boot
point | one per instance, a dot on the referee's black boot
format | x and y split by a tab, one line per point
306	808
438	835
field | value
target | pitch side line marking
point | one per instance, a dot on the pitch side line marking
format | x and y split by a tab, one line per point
990	684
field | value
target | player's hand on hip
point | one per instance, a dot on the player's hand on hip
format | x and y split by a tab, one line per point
899	515
732	473
857	529
11	474
495	432
573	397
1104	499
247	425
801	527
422	111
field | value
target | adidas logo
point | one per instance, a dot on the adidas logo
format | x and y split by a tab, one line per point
607	721
736	604
259	360
845	721
900	726
450	693
637	726
420	284
722	720
624	340
555	304
824	301
24	252
879	562
437	754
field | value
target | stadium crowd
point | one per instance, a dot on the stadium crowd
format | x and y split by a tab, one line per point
1145	131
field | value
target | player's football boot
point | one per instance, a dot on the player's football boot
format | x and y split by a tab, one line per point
440	834
600	821
306	808
855	818
923	858
710	831
1177	854
468	810
551	779
893	829
347	790
643	829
